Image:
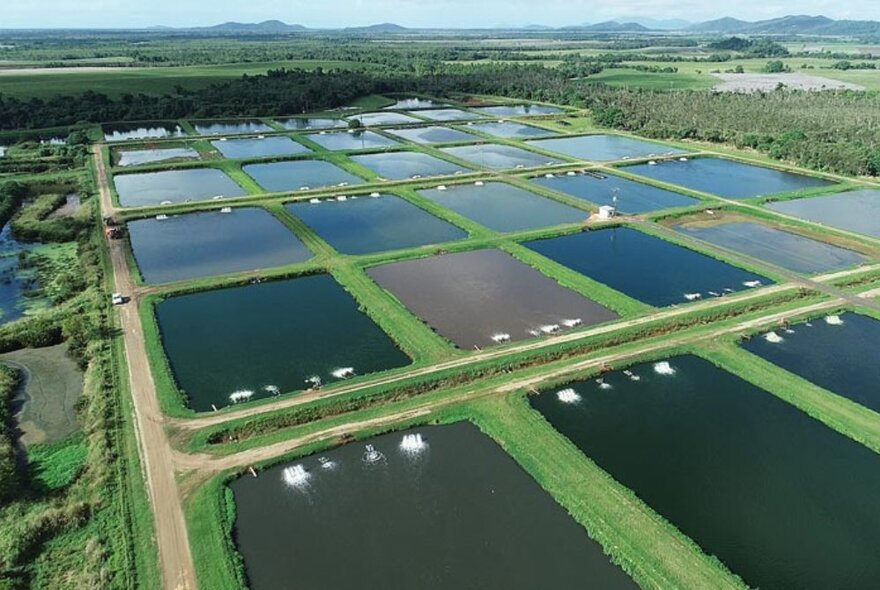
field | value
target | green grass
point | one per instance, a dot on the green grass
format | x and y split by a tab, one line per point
54	466
627	78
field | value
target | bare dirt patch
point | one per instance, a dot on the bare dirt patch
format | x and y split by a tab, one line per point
768	82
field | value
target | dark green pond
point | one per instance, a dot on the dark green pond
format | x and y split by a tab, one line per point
212	243
230	127
472	298
603	148
139	157
856	211
402	165
727	178
447	115
174	186
15	280
303	123
510	130
361	225
646	268
129	132
520	110
259	148
782	500
357	140
448	508
504	207
269	335
373	119
788	250
280	177
632	197
841	358
499	157
433	134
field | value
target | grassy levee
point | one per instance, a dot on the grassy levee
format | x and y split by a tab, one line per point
450	384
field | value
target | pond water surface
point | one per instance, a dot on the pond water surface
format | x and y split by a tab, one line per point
644	267
15	281
446	509
856	211
230	127
212	243
727	178
357	140
402	165
303	123
518	110
142	131
632	197
139	157
601	148
499	157
259	148
509	130
269	335
279	177
365	224
782	500
504	207
840	357
174	186
434	134
373	119
469	297
448	115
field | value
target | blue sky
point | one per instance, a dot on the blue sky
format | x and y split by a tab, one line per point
415	13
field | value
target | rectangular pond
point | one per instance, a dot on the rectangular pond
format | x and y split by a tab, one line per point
230	127
280	177
486	297
788	250
259	148
727	178
389	118
499	157
174	186
510	130
140	157
403	165
360	225
838	353
128	132
504	207
603	148
645	267
520	110
433	134
856	211
408	104
432	508
782	500
197	245
447	115
305	123
255	341
600	189
351	140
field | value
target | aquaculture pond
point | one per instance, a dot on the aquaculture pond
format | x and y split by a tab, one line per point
433	134
174	186
788	250
781	499
499	157
140	157
360	225
230	127
351	140
521	110
632	197
504	207
15	280
402	165
838	353
372	119
435	507
304	123
508	130
727	178
279	177
142	131
406	104
601	148
486	297
447	115
259	148
258	340
644	267
856	211
212	243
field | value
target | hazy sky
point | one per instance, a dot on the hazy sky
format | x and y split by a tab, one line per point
414	13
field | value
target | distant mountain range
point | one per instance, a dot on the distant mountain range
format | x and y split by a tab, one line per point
786	25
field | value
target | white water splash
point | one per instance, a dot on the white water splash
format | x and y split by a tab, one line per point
752	284
773	338
372	455
834	320
602	385
500	338
272	390
413	444
327	464
572	323
693	296
240	396
568	396
296	476
343	373
664	368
